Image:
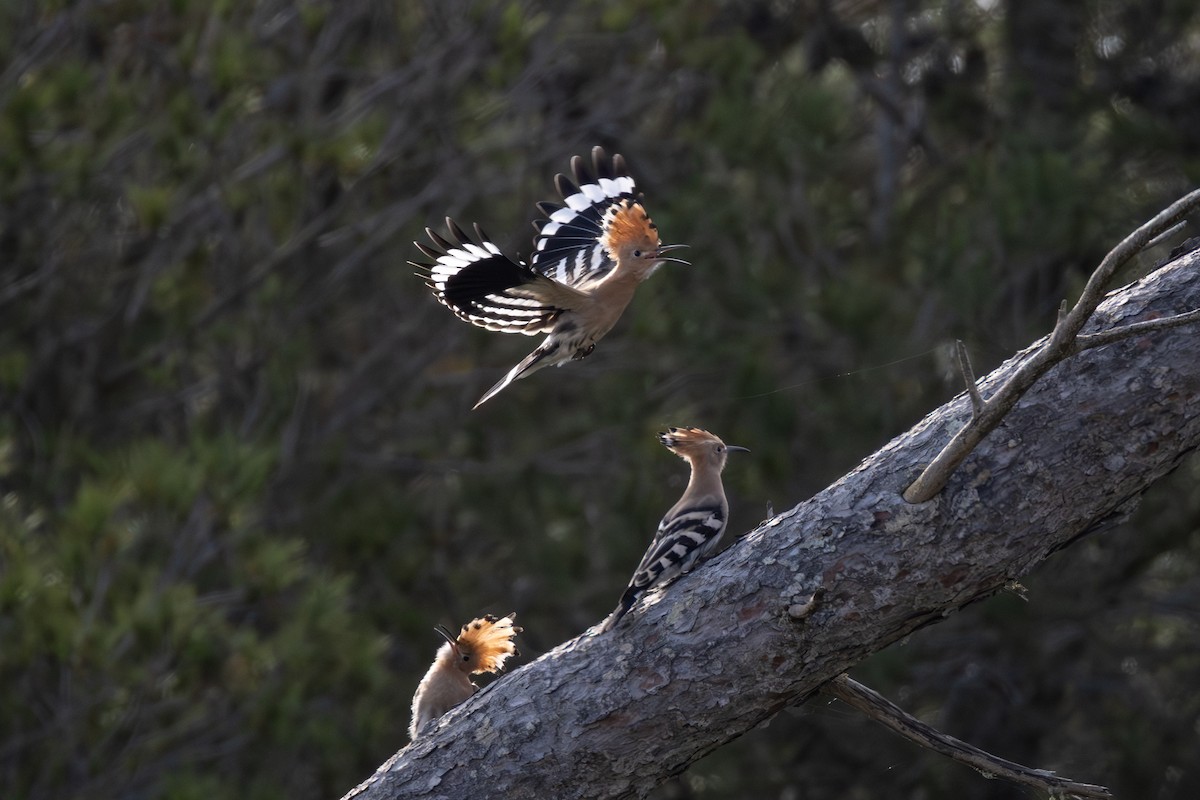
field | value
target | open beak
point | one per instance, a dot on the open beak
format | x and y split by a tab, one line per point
446	635
666	248
734	447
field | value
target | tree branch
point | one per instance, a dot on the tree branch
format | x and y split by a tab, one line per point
742	637
1057	347
890	715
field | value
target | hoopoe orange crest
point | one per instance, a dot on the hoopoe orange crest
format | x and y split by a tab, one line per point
684	440
627	225
489	640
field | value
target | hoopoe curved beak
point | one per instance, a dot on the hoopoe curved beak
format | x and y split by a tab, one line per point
666	248
446	635
730	448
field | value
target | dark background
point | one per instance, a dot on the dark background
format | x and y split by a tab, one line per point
240	478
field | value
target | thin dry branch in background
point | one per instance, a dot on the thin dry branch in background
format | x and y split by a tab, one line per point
1063	342
968	373
890	715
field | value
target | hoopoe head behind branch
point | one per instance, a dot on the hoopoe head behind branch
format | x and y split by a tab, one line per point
483	645
590	254
692	528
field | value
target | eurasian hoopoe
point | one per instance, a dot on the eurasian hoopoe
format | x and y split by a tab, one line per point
482	646
589	257
693	526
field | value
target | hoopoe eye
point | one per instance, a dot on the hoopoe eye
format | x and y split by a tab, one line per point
466	656
637	253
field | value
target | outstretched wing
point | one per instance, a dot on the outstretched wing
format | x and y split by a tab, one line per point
484	287
567	248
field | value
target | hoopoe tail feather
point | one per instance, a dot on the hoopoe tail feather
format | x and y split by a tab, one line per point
530	364
630	597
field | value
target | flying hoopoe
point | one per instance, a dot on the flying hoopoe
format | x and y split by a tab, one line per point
482	646
693	526
589	256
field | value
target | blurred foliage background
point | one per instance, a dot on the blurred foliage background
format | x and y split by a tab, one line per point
240	477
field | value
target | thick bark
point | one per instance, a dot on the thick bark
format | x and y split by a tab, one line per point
717	653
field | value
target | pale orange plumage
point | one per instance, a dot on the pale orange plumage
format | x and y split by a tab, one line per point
483	645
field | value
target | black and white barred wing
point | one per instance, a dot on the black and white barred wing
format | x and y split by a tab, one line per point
483	286
682	538
567	248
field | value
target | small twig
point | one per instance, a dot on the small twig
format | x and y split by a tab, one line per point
890	715
1089	340
1063	342
1167	234
964	366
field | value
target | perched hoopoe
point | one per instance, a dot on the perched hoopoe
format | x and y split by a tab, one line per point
693	526
482	646
589	257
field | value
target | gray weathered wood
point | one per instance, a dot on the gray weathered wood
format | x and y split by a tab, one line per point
717	653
